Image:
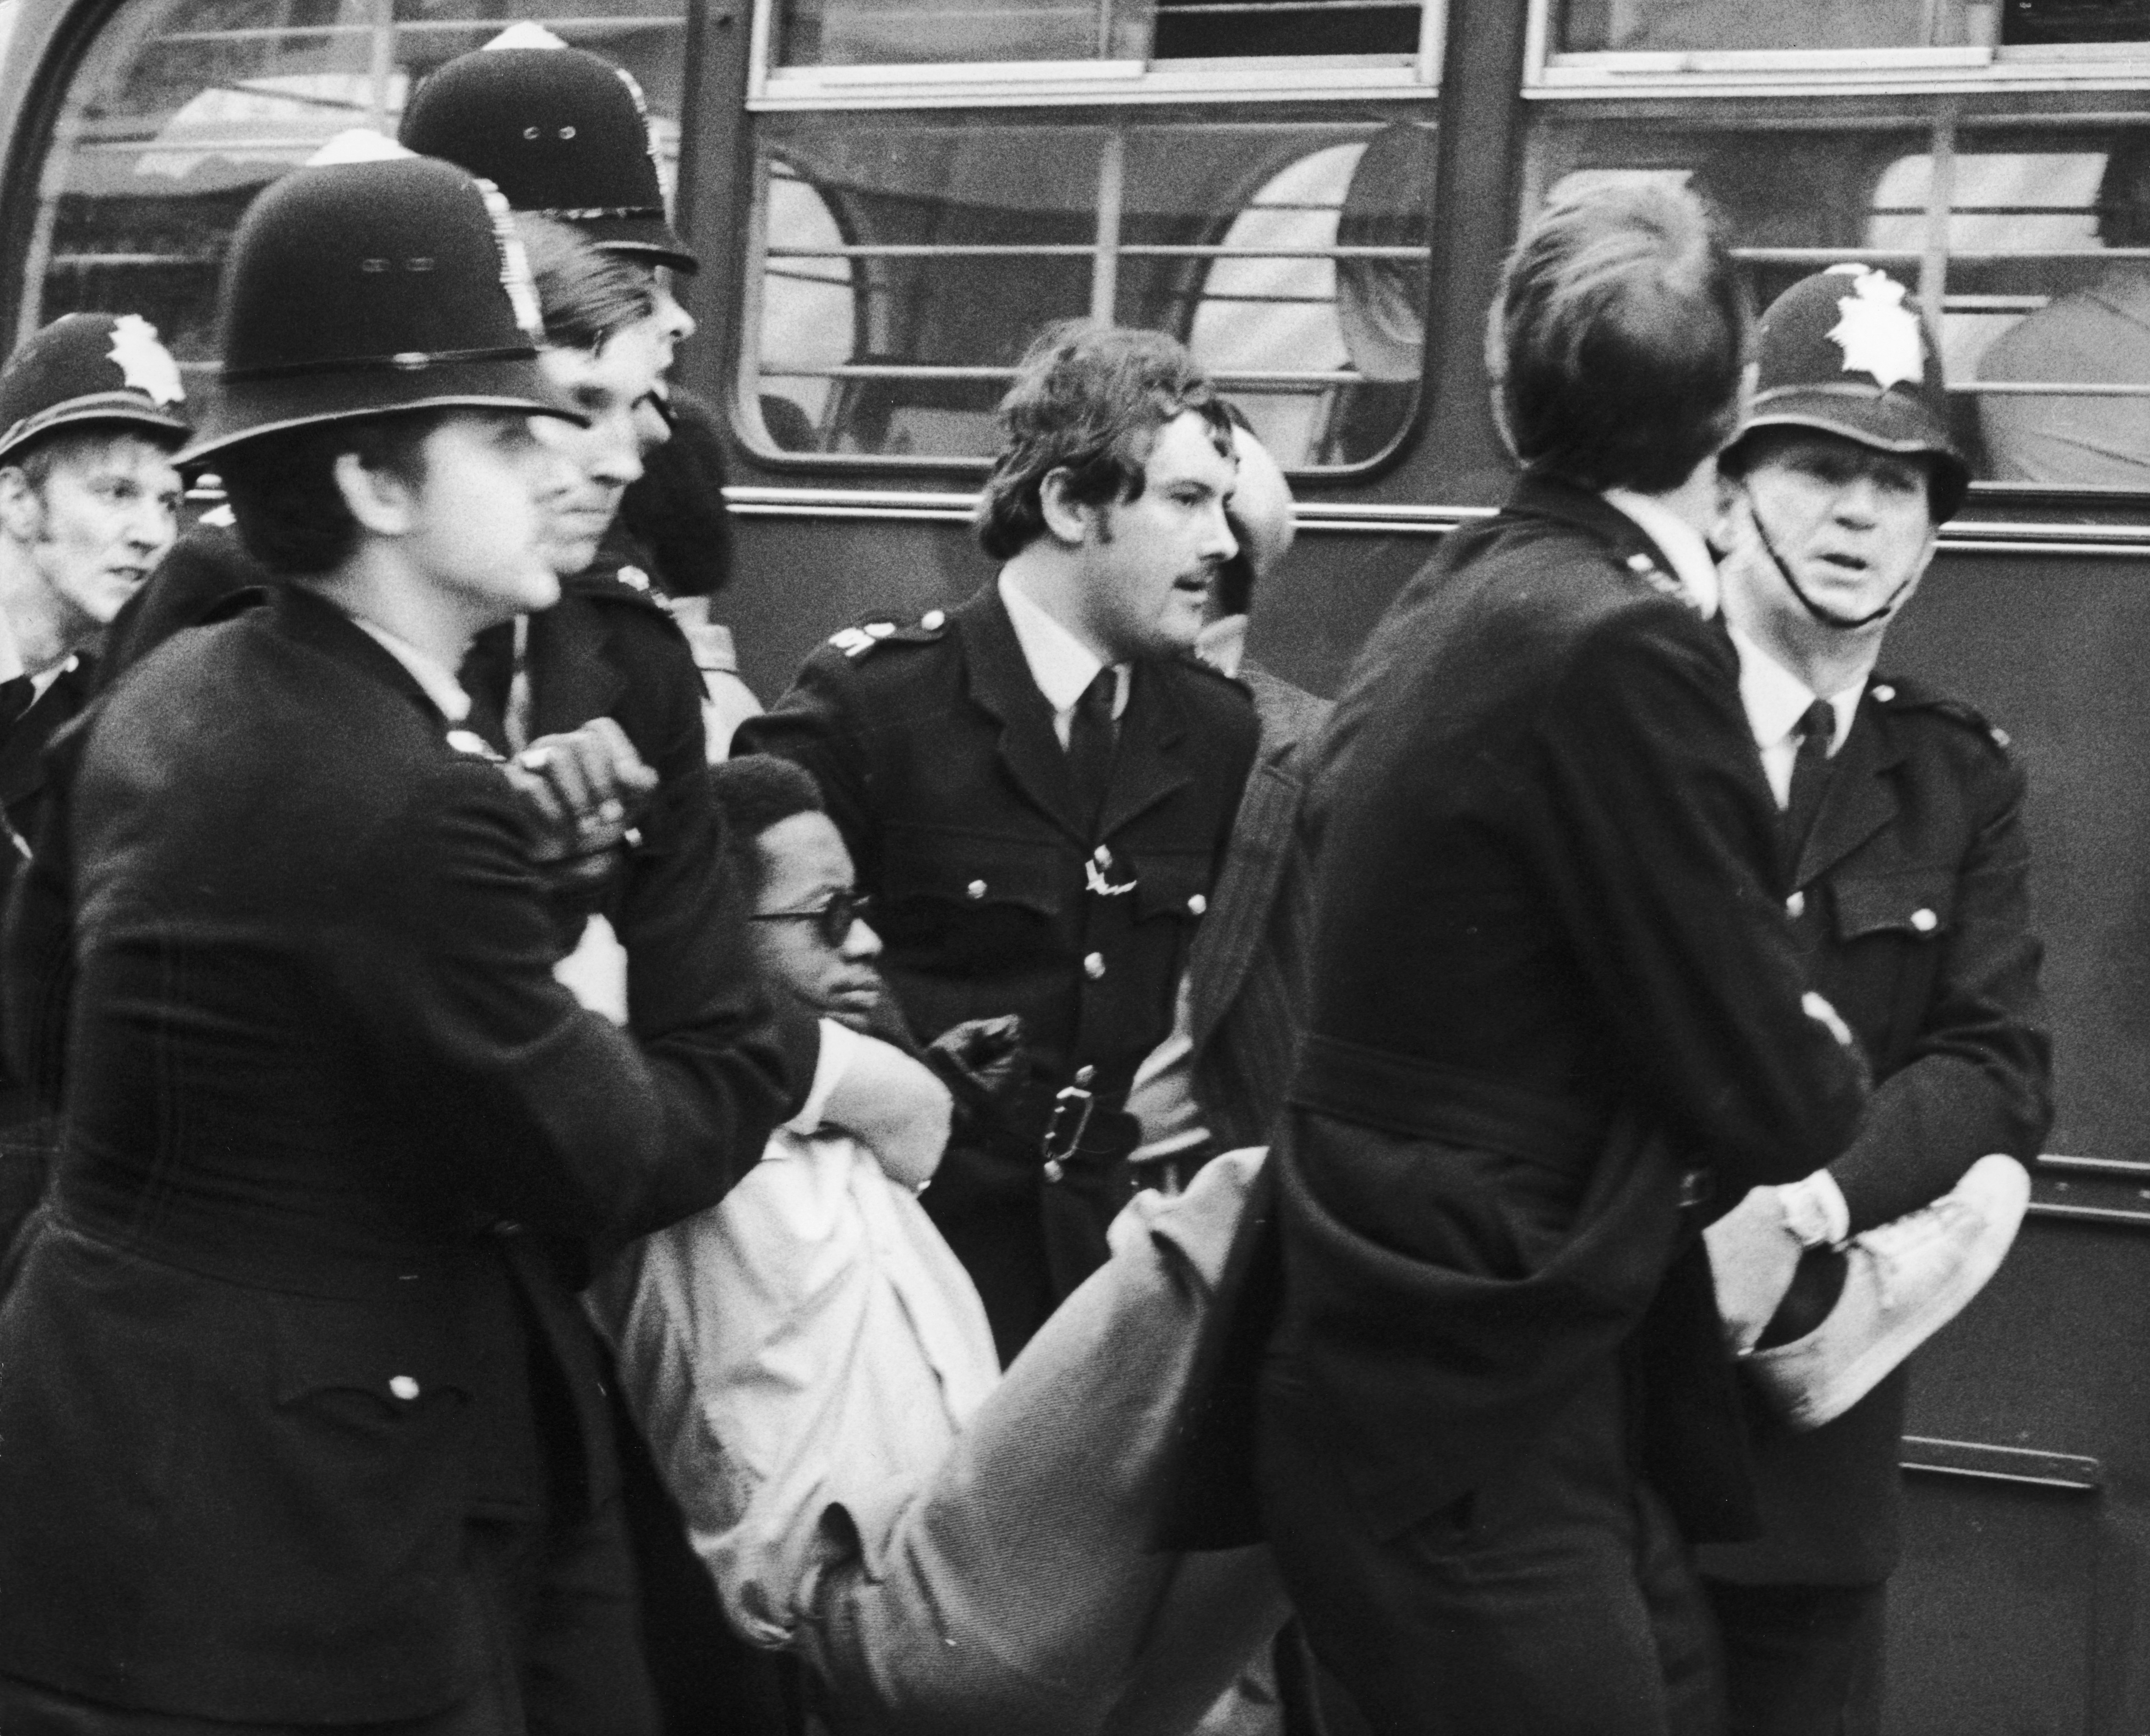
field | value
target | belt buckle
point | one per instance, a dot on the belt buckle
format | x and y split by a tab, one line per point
1071	1108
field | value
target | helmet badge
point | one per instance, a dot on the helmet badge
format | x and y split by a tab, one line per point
1878	334
515	276
145	365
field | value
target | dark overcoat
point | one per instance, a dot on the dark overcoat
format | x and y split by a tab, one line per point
337	1143
1913	909
1553	987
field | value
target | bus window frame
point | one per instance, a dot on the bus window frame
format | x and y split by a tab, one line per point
1036	83
1939	80
1549	75
1113	92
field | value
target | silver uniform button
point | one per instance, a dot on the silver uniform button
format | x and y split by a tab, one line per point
932	619
1796	904
1083	1075
1885	692
1198	904
1093	966
403	1387
976	889
1924	921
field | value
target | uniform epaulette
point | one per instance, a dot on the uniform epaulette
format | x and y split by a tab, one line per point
629	585
1666	584
1893	692
874	631
1191	661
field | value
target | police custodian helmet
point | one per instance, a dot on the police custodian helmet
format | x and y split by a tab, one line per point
84	369
562	133
360	289
1845	352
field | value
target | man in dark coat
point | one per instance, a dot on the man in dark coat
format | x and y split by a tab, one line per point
1909	886
303	1424
1554	994
1036	788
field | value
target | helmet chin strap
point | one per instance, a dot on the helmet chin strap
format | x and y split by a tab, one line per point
1828	617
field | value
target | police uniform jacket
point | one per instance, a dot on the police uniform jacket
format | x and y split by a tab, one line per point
300	1315
1551	970
1912	901
936	752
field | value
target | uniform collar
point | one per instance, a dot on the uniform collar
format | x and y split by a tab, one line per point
1775	698
1679	541
437	683
1061	664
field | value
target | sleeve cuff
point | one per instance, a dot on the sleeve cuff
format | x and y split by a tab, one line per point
1815	1211
839	1045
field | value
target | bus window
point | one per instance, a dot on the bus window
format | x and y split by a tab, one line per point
1292	255
1749	27
2025	237
907	33
183	109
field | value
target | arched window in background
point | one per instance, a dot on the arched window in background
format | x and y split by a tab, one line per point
1292	255
183	109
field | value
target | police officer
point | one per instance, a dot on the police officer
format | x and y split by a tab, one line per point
91	412
1908	879
339	1147
90	415
1037	786
562	133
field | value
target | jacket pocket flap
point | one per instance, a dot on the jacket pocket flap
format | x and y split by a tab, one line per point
399	1356
1171	881
1916	904
972	868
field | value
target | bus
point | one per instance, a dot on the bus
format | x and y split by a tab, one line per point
891	196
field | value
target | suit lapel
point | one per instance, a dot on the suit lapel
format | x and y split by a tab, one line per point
22	759
1001	684
1859	800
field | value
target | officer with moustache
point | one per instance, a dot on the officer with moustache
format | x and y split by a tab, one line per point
339	1147
1037	787
1908	883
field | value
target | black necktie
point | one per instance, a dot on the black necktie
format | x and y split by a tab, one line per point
1816	729
1090	742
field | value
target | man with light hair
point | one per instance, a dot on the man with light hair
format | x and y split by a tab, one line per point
90	415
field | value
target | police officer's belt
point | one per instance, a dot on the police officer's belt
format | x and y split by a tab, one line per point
1067	1123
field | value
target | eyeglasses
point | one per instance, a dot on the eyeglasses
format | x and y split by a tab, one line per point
832	920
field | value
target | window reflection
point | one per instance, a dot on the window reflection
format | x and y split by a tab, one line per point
908	33
1703	26
2029	240
184	109
1292	256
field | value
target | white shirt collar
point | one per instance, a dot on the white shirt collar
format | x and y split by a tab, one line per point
1775	698
1679	541
1061	664
440	685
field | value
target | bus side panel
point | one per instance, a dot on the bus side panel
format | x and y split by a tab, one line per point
2019	1609
2053	651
